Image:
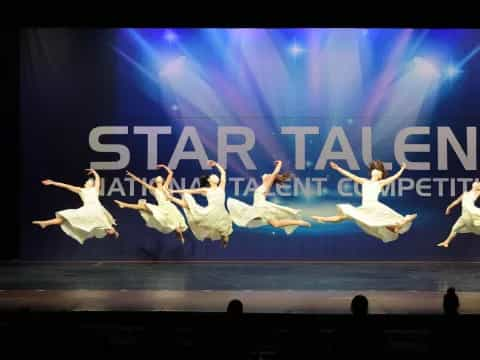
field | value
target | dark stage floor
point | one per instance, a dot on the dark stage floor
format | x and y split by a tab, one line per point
280	287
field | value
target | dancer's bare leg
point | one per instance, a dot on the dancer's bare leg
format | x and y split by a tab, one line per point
225	240
139	206
330	219
179	234
289	222
449	239
179	202
44	223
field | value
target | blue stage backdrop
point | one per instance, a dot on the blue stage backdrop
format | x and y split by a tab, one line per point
128	99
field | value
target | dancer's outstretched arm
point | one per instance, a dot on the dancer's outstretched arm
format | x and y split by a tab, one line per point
278	167
221	170
168	180
392	178
346	173
97	178
271	178
140	181
68	187
454	203
201	191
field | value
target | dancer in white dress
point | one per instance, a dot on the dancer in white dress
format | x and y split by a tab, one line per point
263	212
165	216
469	221
90	220
211	221
373	217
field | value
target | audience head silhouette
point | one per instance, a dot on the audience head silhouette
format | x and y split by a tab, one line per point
235	308
451	302
359	306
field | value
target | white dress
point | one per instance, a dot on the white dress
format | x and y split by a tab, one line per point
211	221
469	221
260	212
165	216
372	216
90	220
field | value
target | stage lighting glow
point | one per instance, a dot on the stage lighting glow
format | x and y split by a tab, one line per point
425	67
174	107
452	71
413	91
170	36
173	67
296	50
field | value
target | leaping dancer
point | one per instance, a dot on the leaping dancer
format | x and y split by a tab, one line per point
373	217
90	220
165	216
469	221
263	212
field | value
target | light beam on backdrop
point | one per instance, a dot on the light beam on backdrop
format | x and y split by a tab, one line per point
169	69
146	59
170	36
469	56
418	41
151	88
144	44
388	74
344	73
425	68
296	57
269	71
316	73
182	102
455	70
231	82
231	79
247	104
295	49
265	82
452	71
183	81
174	68
196	101
409	93
136	65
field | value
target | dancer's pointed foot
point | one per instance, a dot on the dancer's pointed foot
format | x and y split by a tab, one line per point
180	237
40	223
120	204
443	244
408	219
225	241
411	217
305	223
